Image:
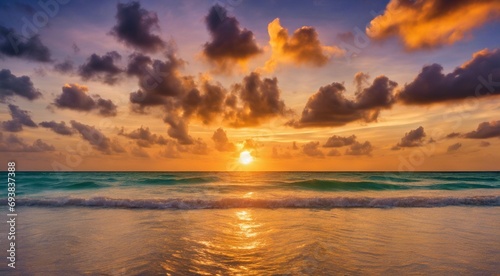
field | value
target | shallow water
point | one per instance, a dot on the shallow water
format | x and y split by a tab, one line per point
438	241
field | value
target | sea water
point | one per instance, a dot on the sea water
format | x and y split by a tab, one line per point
255	223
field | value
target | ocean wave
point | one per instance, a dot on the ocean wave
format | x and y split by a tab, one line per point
176	180
227	203
338	185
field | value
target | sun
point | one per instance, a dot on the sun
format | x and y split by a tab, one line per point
245	157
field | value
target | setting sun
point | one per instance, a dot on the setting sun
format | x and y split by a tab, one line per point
245	157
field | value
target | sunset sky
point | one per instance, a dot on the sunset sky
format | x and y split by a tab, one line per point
296	85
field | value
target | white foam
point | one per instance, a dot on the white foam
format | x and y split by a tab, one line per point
225	203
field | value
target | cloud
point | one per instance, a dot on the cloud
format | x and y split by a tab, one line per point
76	97
59	128
96	138
260	100
329	106
144	137
333	152
160	82
454	147
312	149
135	27
302	48
414	138
358	148
484	144
477	77
178	130
199	147
10	86
64	67
338	141
14	45
221	141
20	118
101	68
13	143
206	105
453	135
183	99
294	145
139	152
485	130
171	150
229	43
137	65
432	23
279	153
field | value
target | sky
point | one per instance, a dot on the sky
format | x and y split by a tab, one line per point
236	85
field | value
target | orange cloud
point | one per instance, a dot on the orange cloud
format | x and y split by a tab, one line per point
302	48
432	23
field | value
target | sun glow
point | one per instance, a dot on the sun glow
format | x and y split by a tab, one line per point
245	157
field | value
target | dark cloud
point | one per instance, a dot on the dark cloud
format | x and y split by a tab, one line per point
11	85
294	145
478	77
453	135
64	67
59	128
303	47
12	126
144	137
329	106
135	27
160	82
14	45
106	107
221	141
378	95
206	105
454	147
358	148
183	99
484	144
485	130
229	43
414	138
138	64
76	97
101	68
338	141
312	149
96	138
260	100
20	118
333	152
178	129
13	143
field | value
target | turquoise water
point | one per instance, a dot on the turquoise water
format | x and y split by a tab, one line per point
214	190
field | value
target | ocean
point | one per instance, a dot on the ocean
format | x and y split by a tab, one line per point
255	223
